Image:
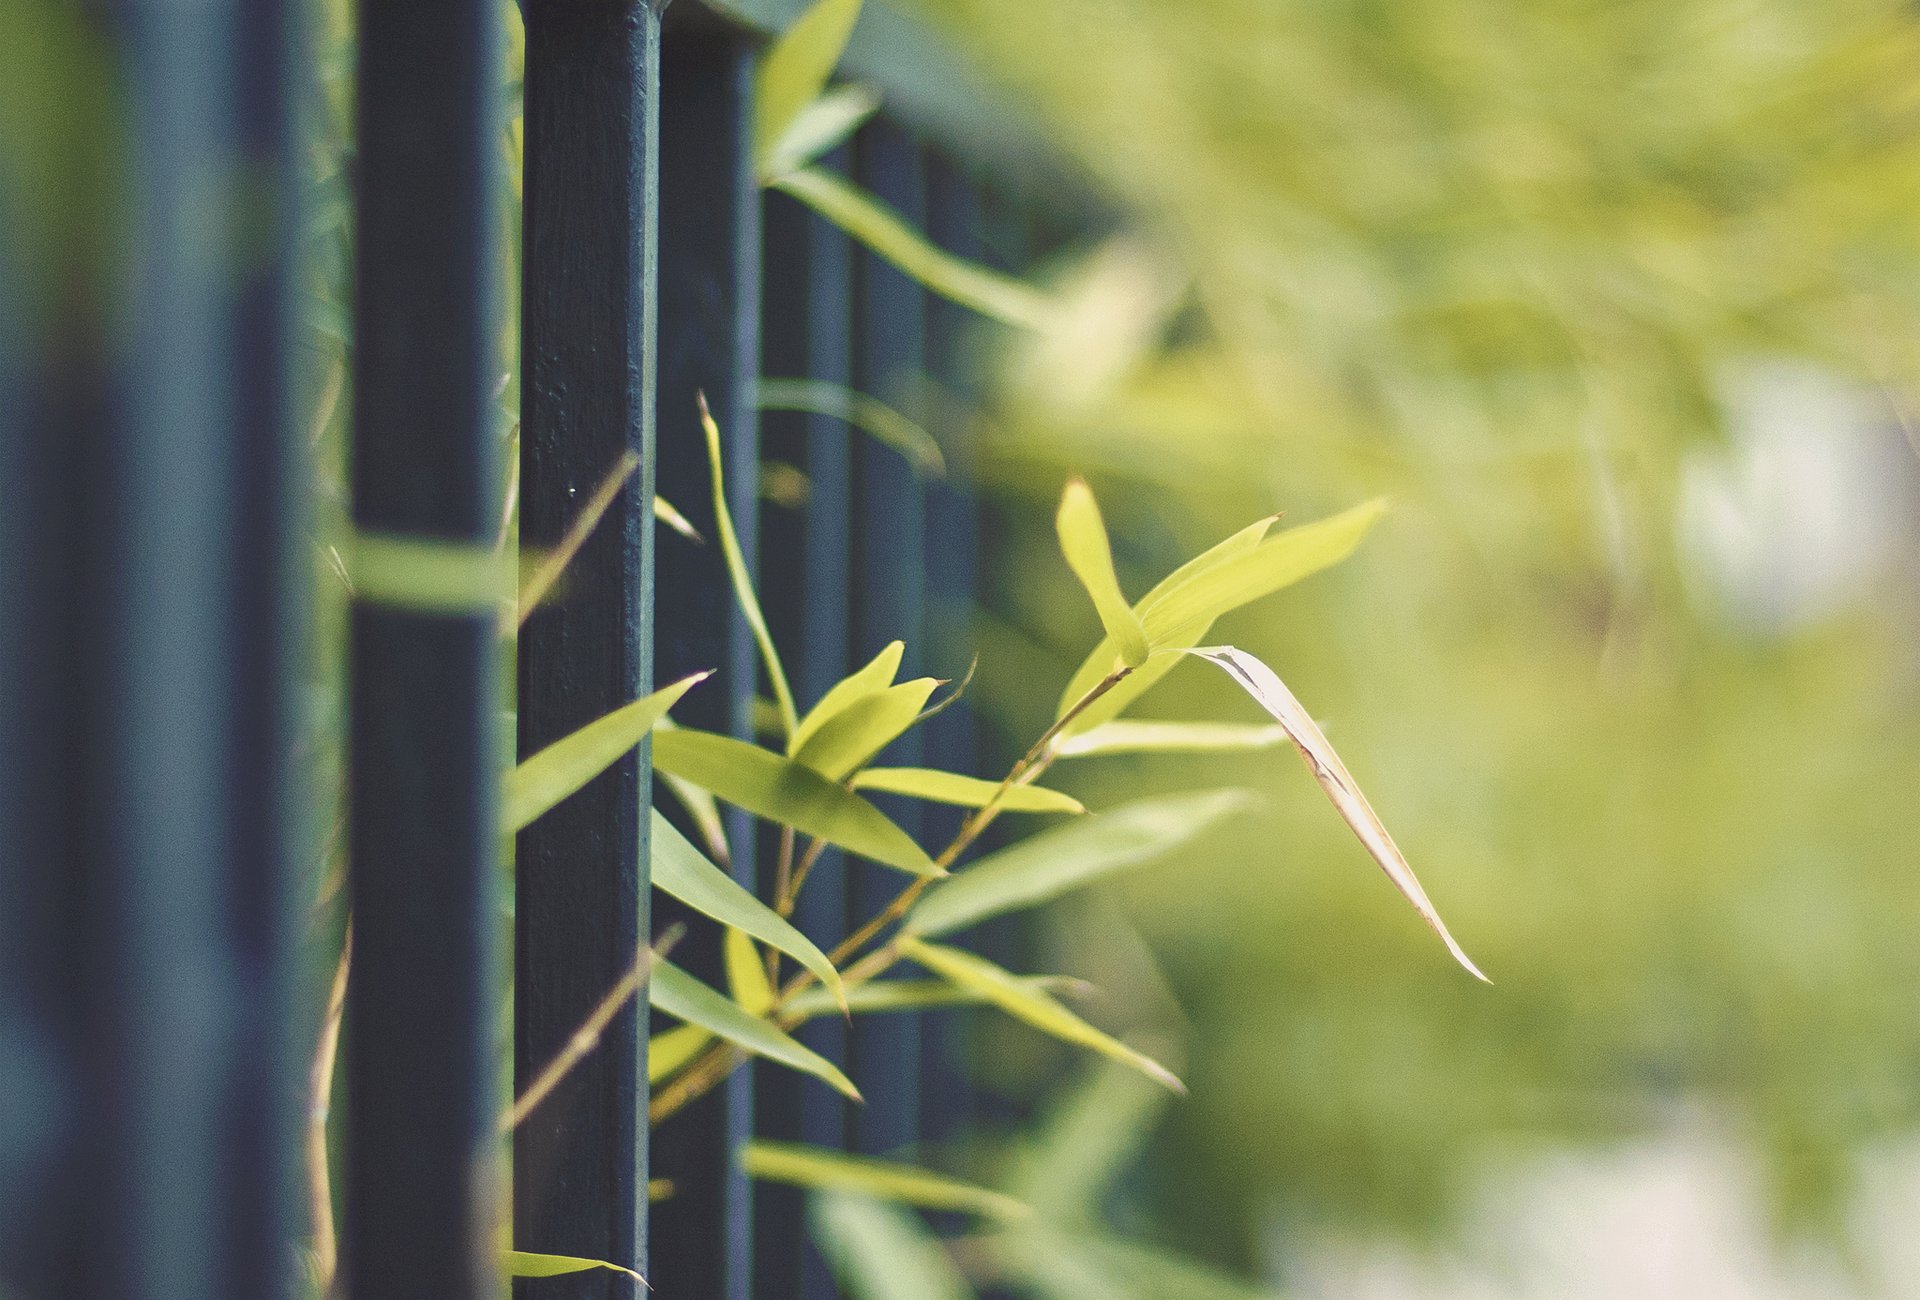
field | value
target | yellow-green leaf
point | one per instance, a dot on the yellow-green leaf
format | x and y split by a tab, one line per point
796	68
963	791
887	233
437	575
826	121
670	1049
788	793
1265	686
747	974
669	514
875	676
886	1180
879	1252
737	570
1126	737
856	733
1020	999
868	414
1045	866
1083	540
569	763
524	1263
680	869
880	996
679	994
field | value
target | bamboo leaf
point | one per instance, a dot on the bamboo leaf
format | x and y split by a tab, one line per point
1265	686
523	1263
737	570
680	869
870	415
875	676
823	124
1086	1142
747	981
1021	1000
963	791
679	994
1049	864
569	763
882	1253
667	513
796	68
671	1049
887	233
788	793
880	996
844	742
1125	737
887	1180
551	566
1083	540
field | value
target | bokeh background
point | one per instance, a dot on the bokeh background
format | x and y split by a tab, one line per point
1619	301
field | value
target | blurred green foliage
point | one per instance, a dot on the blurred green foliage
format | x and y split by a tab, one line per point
1515	263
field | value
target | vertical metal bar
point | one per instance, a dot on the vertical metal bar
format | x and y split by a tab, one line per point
582	875
807	333
890	577
424	834
709	342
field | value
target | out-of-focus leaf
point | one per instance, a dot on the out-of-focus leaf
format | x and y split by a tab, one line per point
1126	737
1085	1143
522	1263
747	978
1049	864
1083	540
882	1253
547	572
665	511
1100	662
679	994
856	733
670	1049
870	415
442	577
680	869
886	1180
875	676
823	124
1277	562
737	570
789	793
1265	686
887	233
1018	998
570	762
877	996
964	791
795	71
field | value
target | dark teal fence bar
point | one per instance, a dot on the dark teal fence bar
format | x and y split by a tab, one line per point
420	1187
582	877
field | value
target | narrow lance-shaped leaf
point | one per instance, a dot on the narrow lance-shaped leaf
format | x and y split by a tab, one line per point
796	68
523	1263
1047	865
877	997
747	975
569	763
667	513
683	871
823	124
788	793
887	1180
850	737
879	1252
868	414
1265	686
737	570
1127	737
1083	540
1020	999
874	676
964	791
670	1049
679	994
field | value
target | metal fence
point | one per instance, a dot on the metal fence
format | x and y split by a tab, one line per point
152	827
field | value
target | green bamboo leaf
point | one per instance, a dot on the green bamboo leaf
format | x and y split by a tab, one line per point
1083	540
747	980
1125	737
1021	1000
856	733
669	514
887	233
737	570
1047	865
877	997
1265	686
569	763
824	123
671	1049
700	806
887	1180
870	415
963	791
679	994
789	793
1101	661
795	71
875	676
1086	1142
432	574
680	869
879	1252
523	1263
